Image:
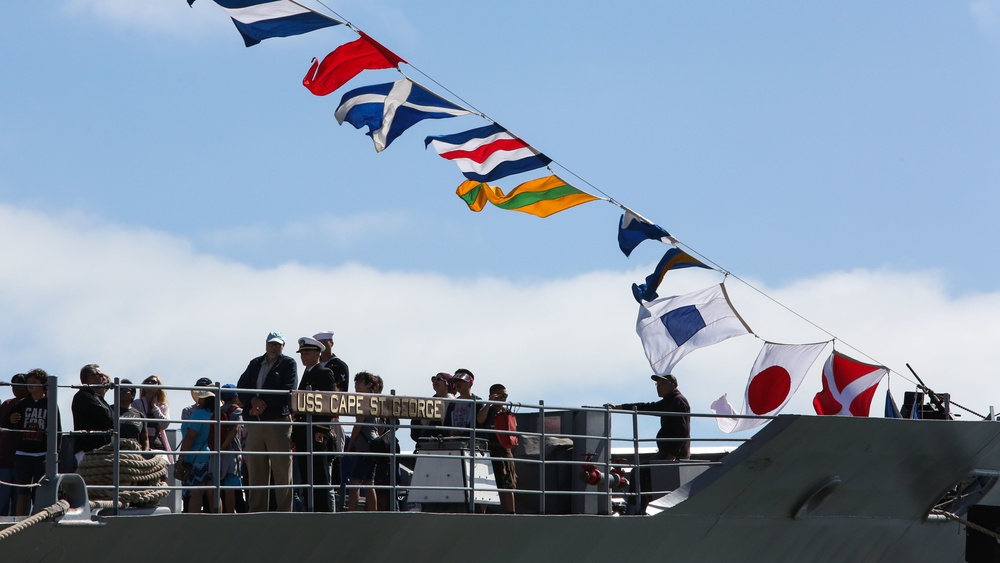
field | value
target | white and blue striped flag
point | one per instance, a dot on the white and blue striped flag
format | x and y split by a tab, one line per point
257	20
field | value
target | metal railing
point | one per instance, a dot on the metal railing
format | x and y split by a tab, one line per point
551	457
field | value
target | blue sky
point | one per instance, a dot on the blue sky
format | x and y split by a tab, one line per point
169	195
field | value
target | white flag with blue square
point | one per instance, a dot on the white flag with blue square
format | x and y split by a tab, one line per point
672	327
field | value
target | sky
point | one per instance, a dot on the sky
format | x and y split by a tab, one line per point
169	196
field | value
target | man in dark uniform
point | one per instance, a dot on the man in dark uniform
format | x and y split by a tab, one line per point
673	439
91	412
316	377
342	376
272	371
669	446
330	360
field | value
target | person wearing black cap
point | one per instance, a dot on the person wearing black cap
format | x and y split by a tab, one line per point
316	377
673	440
273	371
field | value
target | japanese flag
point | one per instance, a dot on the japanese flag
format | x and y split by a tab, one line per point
775	377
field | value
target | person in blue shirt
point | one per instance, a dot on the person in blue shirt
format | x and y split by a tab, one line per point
196	432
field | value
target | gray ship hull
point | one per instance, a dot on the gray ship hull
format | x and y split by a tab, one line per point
766	501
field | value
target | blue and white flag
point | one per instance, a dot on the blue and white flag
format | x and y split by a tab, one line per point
672	327
891	410
391	108
257	20
488	153
633	229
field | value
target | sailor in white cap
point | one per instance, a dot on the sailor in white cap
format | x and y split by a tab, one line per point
330	360
316	377
342	376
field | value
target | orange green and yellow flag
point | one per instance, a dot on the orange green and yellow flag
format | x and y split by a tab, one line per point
541	197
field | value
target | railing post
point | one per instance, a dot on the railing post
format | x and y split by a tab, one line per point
116	447
472	459
638	470
541	456
393	464
298	462
47	494
607	457
217	446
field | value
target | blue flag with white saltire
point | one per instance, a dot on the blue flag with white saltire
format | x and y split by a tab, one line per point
672	327
391	108
633	229
673	259
257	20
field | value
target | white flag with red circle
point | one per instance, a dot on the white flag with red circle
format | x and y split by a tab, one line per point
775	377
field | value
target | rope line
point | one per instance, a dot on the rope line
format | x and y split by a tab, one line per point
54	511
610	199
970	525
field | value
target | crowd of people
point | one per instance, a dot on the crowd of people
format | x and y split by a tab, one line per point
271	473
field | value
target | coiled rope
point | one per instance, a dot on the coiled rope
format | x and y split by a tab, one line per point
134	470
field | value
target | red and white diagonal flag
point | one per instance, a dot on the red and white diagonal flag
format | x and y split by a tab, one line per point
848	386
775	377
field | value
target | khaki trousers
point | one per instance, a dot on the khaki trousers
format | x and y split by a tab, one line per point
274	467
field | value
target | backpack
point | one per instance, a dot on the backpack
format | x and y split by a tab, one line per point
505	420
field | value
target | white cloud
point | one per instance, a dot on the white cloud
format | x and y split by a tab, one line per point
75	291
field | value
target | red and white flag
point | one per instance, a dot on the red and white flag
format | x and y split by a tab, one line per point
775	377
848	386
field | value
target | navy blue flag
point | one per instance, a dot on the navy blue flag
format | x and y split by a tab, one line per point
633	229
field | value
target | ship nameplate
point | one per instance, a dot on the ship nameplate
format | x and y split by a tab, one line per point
366	404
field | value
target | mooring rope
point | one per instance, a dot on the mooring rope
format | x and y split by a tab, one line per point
57	509
970	525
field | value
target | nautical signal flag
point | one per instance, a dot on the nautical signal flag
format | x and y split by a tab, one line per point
634	228
848	386
257	20
672	327
391	108
891	410
488	153
774	379
346	62
673	259
541	197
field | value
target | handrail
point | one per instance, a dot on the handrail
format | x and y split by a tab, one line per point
610	439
